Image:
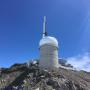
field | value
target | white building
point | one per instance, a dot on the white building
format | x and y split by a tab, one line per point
48	47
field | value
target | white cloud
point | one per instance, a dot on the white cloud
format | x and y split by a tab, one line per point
80	62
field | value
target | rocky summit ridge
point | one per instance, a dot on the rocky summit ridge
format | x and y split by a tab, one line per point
21	77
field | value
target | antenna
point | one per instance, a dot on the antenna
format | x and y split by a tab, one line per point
44	27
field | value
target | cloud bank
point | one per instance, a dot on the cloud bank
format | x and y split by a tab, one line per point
80	62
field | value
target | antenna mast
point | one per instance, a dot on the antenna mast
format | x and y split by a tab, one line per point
44	27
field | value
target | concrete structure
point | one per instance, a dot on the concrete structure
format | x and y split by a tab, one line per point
48	50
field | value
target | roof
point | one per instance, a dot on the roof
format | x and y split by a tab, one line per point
48	40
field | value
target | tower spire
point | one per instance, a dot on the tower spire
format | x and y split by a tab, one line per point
44	27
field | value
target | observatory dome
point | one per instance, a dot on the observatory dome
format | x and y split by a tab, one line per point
48	41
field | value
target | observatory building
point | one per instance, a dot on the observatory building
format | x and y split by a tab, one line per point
48	47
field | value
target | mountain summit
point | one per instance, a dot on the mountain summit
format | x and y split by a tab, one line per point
21	77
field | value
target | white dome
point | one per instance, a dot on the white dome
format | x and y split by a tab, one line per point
49	41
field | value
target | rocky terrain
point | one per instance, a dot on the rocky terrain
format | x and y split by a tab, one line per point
23	77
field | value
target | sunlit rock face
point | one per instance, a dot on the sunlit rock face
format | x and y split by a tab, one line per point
48	53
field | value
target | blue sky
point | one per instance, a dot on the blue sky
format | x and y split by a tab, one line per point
21	28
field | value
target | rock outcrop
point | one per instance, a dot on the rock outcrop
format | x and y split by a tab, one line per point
33	78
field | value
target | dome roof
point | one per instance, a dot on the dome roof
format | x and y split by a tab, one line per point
49	41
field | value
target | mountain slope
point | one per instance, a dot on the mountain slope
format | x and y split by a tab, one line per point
32	78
